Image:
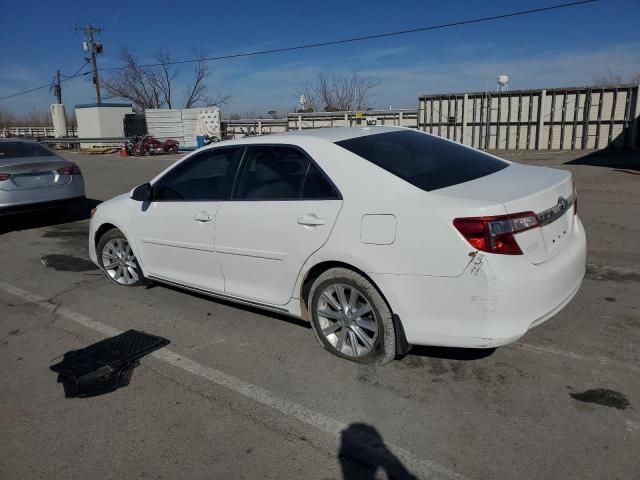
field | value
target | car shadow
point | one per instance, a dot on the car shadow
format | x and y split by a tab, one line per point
621	160
451	353
363	455
48	217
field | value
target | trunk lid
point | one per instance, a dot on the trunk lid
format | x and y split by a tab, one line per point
521	188
34	172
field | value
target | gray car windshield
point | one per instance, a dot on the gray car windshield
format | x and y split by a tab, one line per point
23	149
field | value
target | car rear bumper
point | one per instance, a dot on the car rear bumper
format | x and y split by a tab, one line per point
18	201
494	302
34	207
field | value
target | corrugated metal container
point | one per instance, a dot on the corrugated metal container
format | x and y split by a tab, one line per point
165	123
178	124
557	119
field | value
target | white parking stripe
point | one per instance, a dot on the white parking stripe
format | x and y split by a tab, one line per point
576	356
425	468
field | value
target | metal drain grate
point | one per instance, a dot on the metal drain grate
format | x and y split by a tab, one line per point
106	365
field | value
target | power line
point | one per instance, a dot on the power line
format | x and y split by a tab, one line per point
48	85
337	42
366	37
68	77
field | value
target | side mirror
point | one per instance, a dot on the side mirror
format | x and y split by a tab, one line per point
141	193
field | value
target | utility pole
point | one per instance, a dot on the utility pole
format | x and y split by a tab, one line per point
95	48
58	87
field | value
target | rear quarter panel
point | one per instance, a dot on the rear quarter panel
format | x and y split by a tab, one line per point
425	242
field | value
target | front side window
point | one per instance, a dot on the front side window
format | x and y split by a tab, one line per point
426	161
206	176
271	173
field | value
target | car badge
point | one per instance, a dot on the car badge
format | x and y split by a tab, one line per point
563	204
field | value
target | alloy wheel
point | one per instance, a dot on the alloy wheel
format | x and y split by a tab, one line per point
347	320
119	262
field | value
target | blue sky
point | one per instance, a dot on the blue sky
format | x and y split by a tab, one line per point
563	47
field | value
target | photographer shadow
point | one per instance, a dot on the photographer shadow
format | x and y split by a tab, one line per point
364	456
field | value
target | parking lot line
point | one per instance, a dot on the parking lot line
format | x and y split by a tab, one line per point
426	468
576	356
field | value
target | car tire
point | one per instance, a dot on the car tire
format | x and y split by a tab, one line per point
124	269
336	315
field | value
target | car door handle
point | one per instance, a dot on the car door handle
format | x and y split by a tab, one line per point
311	221
202	217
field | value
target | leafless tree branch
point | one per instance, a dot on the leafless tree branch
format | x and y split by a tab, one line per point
338	93
155	87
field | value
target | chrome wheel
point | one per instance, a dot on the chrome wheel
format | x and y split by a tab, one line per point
347	320
119	262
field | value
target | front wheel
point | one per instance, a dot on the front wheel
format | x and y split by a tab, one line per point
118	260
351	319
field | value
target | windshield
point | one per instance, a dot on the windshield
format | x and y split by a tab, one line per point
23	149
426	161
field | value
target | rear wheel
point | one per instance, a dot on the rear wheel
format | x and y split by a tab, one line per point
118	260
350	318
173	149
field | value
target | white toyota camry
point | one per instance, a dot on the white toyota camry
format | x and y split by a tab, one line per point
381	237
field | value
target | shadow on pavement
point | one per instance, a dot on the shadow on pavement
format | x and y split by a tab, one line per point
625	161
363	455
451	353
260	311
48	216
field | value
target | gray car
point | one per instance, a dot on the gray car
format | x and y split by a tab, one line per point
34	177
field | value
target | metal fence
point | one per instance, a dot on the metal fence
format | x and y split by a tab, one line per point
301	121
254	126
559	118
36	132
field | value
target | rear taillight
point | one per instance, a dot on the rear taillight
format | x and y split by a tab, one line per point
4	176
71	170
575	199
495	234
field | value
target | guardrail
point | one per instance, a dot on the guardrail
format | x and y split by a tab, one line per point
33	131
75	142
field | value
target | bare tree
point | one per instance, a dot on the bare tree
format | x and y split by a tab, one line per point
7	118
155	86
338	93
615	80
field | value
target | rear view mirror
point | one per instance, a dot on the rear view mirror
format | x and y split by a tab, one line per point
141	193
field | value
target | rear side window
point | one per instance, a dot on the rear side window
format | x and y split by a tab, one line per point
23	149
317	186
425	161
271	173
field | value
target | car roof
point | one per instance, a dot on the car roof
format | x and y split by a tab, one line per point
334	134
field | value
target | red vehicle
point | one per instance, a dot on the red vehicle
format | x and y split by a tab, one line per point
140	146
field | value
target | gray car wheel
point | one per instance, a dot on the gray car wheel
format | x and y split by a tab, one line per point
350	318
117	259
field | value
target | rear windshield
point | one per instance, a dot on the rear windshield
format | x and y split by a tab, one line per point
426	161
23	149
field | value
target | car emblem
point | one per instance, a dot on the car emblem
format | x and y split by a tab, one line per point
563	204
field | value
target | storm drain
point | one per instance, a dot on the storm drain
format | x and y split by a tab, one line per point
105	366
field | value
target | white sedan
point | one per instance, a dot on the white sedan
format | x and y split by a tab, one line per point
381	237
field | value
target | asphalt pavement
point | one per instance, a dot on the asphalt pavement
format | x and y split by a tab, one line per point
241	393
